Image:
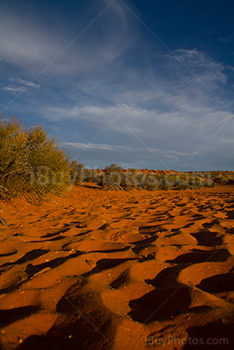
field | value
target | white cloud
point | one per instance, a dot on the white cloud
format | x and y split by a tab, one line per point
28	83
163	106
129	151
13	89
199	121
96	147
31	44
200	66
24	85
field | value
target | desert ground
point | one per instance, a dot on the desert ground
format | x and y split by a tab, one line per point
98	269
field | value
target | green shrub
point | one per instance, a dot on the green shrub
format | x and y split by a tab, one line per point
128	181
30	161
151	183
113	177
113	168
77	172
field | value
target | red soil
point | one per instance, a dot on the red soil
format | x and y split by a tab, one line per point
119	270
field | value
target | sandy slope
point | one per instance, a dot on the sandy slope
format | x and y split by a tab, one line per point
119	270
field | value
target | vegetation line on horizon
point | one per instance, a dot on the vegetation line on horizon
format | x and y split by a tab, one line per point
31	163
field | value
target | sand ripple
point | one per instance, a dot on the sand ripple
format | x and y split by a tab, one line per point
119	270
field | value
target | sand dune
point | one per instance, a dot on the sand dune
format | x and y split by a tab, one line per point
119	270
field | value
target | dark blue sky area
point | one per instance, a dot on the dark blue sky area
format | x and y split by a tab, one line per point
187	23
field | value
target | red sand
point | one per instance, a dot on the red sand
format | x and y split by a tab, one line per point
119	270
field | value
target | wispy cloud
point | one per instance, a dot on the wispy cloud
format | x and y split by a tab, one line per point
22	85
29	44
108	147
13	89
205	69
153	125
114	153
27	83
226	39
96	147
165	114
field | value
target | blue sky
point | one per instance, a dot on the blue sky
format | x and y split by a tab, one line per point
145	84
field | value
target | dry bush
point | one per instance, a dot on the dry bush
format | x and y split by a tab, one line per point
30	161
